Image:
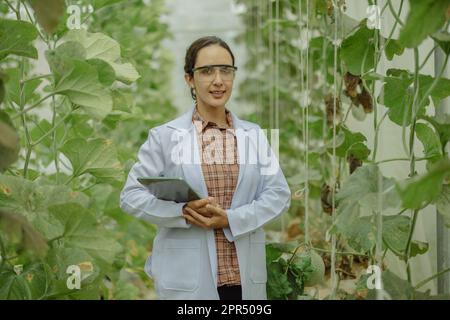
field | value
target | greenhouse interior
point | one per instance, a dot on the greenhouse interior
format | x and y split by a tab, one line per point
352	95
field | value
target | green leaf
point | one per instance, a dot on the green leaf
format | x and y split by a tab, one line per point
357	50
393	47
360	232
369	188
42	128
9	142
81	231
423	189
278	286
30	284
16	38
106	74
396	233
349	143
32	198
397	288
17	225
443	40
60	59
13	87
442	203
96	156
430	140
398	93
418	247
425	17
100	46
3	78
122	101
81	85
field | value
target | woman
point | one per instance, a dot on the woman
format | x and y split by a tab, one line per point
212	248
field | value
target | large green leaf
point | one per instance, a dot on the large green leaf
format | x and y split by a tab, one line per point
360	232
398	94
13	87
32	198
423	189
61	58
357	50
100	46
396	233
430	140
425	17
443	40
30	283
349	143
81	230
370	189
16	38
96	156
81	85
364	192
393	47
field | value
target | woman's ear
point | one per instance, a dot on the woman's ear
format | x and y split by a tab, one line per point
189	80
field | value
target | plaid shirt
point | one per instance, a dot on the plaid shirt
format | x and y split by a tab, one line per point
221	180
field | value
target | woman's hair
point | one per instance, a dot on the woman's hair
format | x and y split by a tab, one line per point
194	48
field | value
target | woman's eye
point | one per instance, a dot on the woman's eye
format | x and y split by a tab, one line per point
225	70
207	71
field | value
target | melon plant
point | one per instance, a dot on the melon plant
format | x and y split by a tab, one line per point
75	104
312	69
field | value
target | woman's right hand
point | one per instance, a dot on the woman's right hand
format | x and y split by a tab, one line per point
199	206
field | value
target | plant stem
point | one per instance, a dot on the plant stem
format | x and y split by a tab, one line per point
433	84
425	281
402	159
24	122
341	253
428	57
33	106
52	130
11	7
33	22
2	253
36	77
396	16
412	159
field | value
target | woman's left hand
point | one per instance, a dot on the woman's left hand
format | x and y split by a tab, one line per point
217	220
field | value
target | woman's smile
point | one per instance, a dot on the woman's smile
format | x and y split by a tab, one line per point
217	94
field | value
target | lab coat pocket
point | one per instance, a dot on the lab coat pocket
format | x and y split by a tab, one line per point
258	270
181	264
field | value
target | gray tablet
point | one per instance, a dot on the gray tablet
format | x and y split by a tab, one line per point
170	188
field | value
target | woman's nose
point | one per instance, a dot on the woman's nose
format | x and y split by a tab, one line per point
217	77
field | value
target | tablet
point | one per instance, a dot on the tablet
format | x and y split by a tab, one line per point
170	188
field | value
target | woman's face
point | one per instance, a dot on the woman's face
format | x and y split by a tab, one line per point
214	93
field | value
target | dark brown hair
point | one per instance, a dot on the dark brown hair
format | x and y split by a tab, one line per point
194	48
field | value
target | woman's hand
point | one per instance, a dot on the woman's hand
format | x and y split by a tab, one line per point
209	216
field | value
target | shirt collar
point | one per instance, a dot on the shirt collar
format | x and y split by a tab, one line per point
200	123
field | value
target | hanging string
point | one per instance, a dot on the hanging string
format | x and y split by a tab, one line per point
259	46
271	82
333	162
306	132
277	62
379	217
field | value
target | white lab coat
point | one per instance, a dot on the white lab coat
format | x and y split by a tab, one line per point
183	262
